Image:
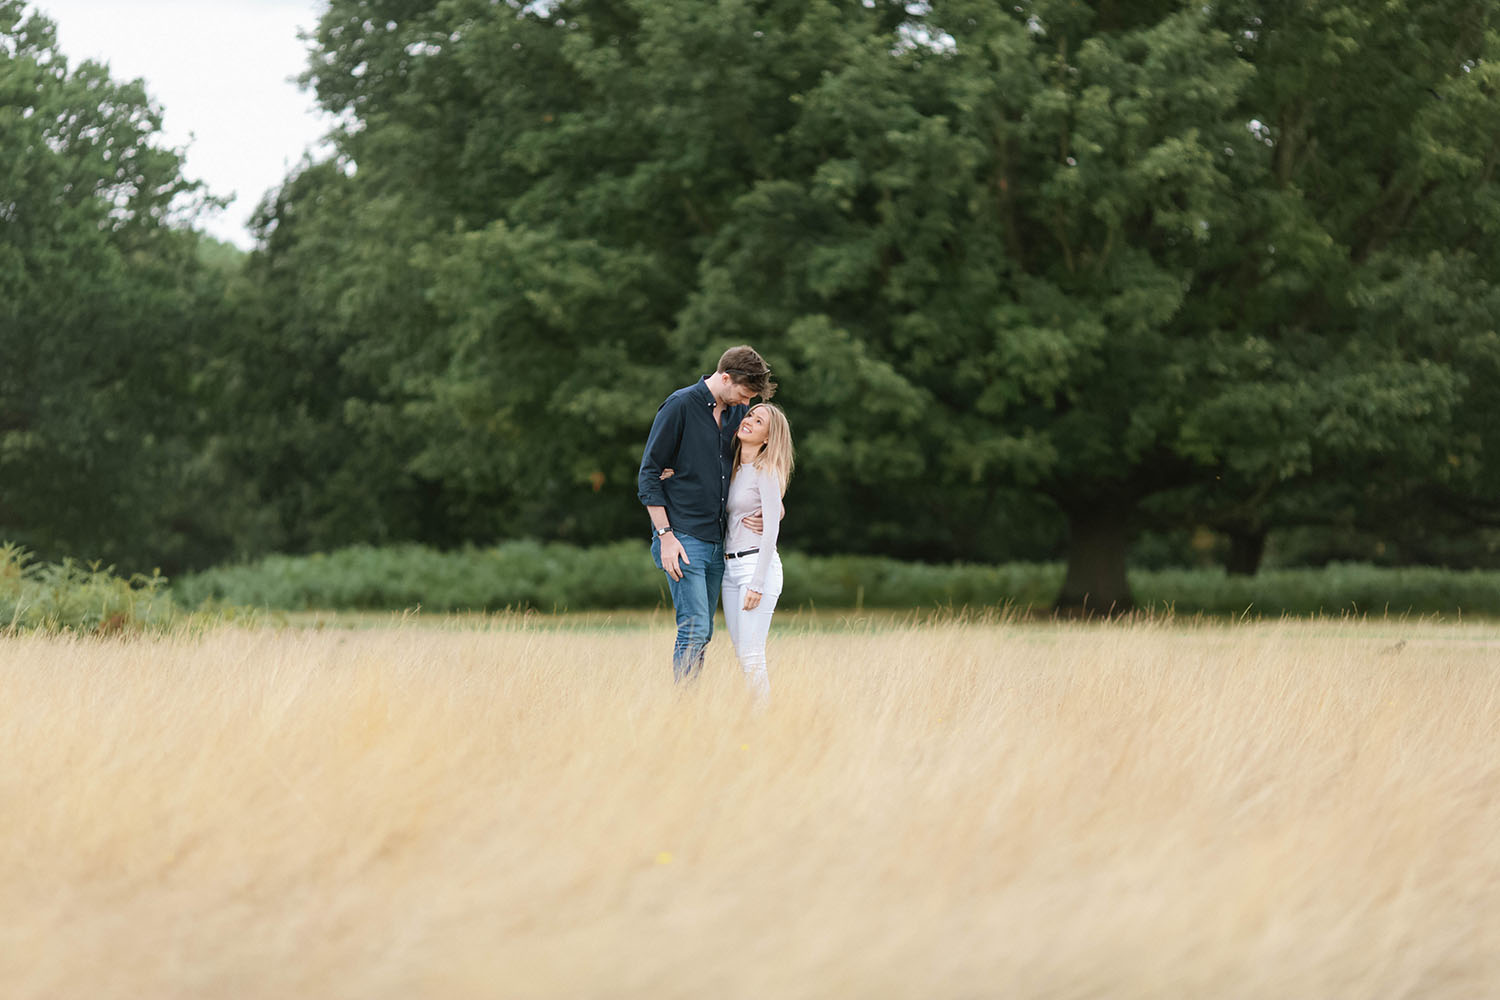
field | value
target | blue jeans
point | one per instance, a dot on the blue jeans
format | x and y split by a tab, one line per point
696	597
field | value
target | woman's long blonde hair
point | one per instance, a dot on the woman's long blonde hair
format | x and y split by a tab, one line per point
776	455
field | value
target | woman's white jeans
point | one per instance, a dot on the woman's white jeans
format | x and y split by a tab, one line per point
748	629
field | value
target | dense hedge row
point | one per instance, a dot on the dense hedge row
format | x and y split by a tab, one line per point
558	577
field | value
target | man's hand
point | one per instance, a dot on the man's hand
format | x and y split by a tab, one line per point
756	523
752	600
667	474
671	551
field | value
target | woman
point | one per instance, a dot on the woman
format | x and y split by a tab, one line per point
752	569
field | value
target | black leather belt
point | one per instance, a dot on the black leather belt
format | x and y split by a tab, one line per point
736	555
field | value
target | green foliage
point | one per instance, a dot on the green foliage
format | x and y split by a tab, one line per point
874	582
559	577
1336	589
1032	276
555	577
69	596
513	575
308	374
1211	259
104	309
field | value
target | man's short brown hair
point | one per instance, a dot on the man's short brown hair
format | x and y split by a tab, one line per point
746	367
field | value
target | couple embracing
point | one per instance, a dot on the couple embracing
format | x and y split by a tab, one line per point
712	477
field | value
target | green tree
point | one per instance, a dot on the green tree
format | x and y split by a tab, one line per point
1366	284
554	175
101	302
1114	255
1066	246
328	323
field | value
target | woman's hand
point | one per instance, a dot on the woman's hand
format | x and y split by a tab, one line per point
752	600
667	474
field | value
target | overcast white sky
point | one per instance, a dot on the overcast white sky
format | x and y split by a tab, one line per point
222	70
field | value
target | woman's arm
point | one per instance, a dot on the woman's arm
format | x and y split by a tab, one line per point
771	509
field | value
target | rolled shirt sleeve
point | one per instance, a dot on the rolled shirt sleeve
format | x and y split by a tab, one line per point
661	445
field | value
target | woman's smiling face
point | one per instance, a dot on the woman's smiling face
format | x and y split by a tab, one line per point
754	430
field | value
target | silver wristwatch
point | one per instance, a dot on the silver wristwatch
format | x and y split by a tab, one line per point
663	531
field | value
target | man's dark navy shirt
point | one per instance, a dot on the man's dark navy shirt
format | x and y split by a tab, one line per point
685	439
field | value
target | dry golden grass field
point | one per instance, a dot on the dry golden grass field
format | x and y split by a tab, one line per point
961	810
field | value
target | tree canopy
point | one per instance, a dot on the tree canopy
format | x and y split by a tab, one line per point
101	304
1105	254
1032	276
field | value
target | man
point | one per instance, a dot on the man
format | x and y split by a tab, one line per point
693	435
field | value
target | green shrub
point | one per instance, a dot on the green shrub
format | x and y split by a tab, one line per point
873	582
514	575
67	595
559	577
1337	589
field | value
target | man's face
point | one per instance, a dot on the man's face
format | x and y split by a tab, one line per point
734	394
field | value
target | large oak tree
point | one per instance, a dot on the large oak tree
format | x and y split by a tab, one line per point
1210	257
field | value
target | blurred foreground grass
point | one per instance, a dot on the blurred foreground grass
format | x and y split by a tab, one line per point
529	808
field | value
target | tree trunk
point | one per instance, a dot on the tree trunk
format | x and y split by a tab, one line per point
1246	547
1096	584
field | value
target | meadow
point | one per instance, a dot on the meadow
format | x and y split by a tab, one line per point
526	807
